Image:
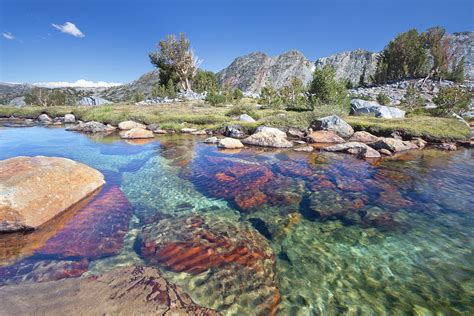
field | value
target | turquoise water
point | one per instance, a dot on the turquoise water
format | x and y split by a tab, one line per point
261	231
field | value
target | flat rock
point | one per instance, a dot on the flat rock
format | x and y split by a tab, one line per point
127	125
324	137
304	149
354	148
363	137
333	123
230	143
137	133
89	127
187	130
267	139
211	140
33	190
123	291
160	131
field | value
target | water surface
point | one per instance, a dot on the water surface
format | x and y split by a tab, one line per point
261	230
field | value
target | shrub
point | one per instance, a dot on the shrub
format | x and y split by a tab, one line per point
452	100
383	99
237	110
325	90
215	98
237	94
294	96
270	98
46	97
138	96
412	100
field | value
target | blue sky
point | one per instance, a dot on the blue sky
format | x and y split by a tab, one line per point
117	35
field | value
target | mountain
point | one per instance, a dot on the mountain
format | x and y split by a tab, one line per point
10	91
352	65
250	73
125	92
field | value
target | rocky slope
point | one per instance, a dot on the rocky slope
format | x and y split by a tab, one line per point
462	45
144	85
356	66
250	73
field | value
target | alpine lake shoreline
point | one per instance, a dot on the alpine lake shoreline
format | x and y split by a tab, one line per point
377	140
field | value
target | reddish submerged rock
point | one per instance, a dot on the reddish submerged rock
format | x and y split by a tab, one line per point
237	259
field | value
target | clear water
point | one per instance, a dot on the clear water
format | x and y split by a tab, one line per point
325	233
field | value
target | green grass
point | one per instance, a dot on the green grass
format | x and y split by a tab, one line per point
421	126
203	116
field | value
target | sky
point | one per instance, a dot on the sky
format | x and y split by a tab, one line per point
108	41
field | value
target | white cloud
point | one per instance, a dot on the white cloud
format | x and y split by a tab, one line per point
69	28
78	84
8	35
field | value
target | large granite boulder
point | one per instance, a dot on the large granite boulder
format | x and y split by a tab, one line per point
69	119
127	125
89	127
334	124
267	139
124	291
354	148
372	108
33	190
271	130
363	137
323	137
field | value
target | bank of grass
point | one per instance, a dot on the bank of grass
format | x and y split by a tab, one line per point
204	116
421	126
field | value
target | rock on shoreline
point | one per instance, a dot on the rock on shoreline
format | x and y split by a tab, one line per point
33	190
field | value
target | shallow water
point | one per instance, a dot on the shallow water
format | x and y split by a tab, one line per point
260	231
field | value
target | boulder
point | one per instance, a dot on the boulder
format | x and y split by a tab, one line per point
324	137
333	123
246	118
372	108
160	131
137	133
211	140
89	127
234	131
419	142
127	125
44	118
393	144
447	146
152	127
267	139
354	148
363	137
33	190
200	132
230	143
69	118
135	290
271	130
295	133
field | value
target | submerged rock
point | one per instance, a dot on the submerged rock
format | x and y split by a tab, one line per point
235	260
354	148
268	139
323	137
230	143
33	190
135	290
333	123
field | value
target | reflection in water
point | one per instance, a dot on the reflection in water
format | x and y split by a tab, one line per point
261	231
